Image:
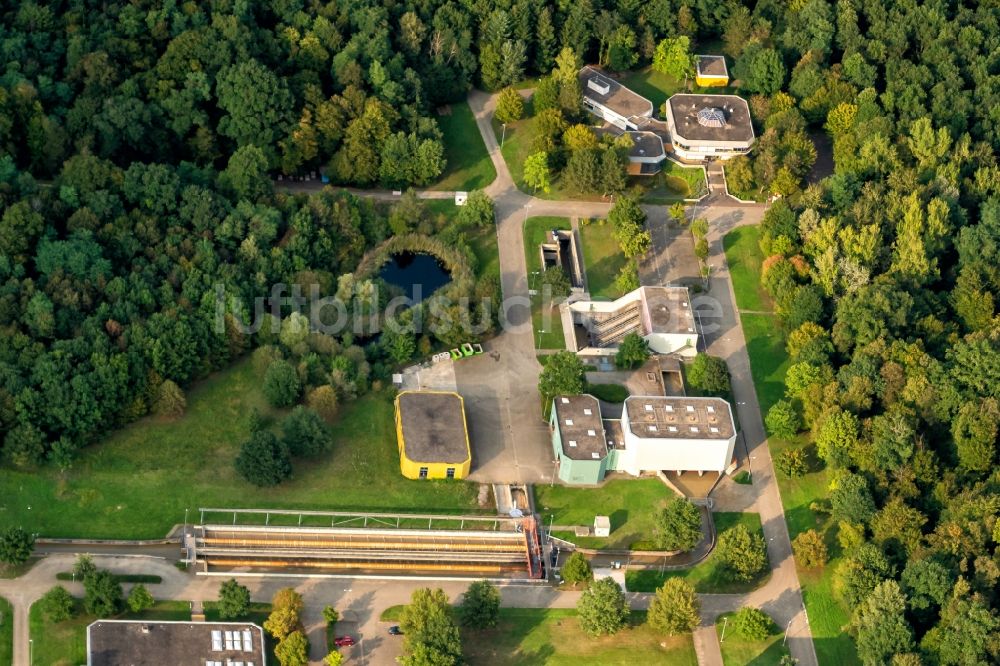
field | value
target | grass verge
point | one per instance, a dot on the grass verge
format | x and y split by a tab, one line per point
119	578
128	488
632	505
768	364
469	165
6	632
65	643
392	613
553	637
708	576
608	392
739	651
602	258
8	571
545	320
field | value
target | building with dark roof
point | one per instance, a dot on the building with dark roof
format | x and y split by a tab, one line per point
654	434
143	643
711	71
709	126
606	98
432	435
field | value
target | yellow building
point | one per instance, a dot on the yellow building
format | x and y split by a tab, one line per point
711	71
432	435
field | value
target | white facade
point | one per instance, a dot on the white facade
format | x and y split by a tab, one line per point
706	127
611	101
686	452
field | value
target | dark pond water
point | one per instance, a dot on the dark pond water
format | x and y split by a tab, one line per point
419	275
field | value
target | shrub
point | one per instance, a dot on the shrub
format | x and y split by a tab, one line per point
783	420
57	604
170	400
743	553
323	401
753	624
678	527
263	460
603	609
16	545
102	594
709	373
810	549
675	608
281	384
330	615
139	599
576	569
792	463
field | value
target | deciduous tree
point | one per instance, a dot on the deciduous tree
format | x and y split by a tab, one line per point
480	606
263	460
234	600
675	608
603	609
678	525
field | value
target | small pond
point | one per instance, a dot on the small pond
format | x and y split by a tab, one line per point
419	275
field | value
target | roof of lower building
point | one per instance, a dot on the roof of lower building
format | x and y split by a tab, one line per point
646	144
433	426
712	65
138	642
668	310
659	417
601	88
696	118
581	430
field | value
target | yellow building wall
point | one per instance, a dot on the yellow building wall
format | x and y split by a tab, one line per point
712	81
435	470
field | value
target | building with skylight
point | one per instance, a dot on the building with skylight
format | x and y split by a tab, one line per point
705	127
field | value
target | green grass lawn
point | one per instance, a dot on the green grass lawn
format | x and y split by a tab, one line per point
553	637
632	505
738	651
673	183
654	86
768	358
602	258
707	576
482	240
65	643
469	166
137	483
608	392
546	322
6	632
744	258
769	363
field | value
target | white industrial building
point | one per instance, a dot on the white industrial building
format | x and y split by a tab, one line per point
677	434
663	316
654	434
610	100
704	127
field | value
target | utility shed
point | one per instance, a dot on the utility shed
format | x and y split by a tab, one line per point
432	435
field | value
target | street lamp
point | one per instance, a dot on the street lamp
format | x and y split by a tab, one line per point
787	627
31	651
725	621
503	135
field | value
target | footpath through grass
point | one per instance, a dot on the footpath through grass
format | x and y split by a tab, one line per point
708	576
553	637
739	651
632	505
137	483
65	643
469	165
602	258
768	364
545	320
6	632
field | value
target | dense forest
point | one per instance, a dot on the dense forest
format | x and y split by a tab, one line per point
138	142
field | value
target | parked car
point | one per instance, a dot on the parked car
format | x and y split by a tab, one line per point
395	630
344	641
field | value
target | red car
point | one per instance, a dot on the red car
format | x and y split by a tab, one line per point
344	641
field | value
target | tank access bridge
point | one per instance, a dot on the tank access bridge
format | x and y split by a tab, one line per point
358	544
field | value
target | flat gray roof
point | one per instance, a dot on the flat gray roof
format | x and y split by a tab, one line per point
138	642
433	425
669	309
646	144
674	417
684	111
712	65
581	430
619	99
